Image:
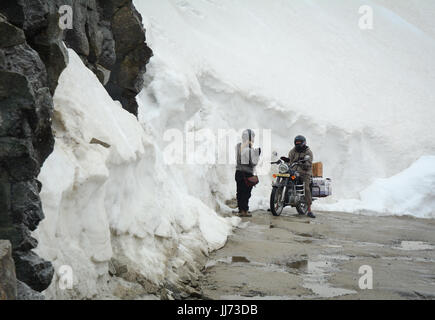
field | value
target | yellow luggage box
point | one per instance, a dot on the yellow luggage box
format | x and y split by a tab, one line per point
318	169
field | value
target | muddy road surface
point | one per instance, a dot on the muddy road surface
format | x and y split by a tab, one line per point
294	257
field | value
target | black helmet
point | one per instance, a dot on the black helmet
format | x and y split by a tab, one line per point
300	143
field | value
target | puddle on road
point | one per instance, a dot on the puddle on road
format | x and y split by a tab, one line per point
304	241
227	260
315	279
300	265
310	235
238	259
213	262
414	246
316	272
305	235
314	275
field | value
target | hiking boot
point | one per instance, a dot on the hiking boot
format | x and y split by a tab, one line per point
311	215
245	214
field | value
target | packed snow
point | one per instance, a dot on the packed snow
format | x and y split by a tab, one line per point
120	201
363	98
410	192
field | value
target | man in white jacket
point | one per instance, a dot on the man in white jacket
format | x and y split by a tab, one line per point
247	159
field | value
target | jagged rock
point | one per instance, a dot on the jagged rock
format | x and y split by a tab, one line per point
102	74
15	92
24	292
23	60
33	270
76	37
132	57
13	11
26	204
48	44
10	35
101	143
26	137
8	281
109	37
136	277
18	158
117	268
127	21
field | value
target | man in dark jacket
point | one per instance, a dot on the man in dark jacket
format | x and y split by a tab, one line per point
247	159
301	152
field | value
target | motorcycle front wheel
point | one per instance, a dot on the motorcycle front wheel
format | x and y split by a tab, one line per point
276	202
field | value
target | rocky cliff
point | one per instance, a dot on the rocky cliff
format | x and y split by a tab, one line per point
109	38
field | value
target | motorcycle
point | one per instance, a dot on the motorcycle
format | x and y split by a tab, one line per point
288	189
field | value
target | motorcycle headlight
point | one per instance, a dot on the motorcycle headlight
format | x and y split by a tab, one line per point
283	168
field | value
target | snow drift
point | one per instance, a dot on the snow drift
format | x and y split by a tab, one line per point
363	98
409	192
118	201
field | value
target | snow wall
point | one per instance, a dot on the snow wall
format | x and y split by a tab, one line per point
114	198
363	98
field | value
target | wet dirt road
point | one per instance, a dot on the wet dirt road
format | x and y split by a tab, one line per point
293	257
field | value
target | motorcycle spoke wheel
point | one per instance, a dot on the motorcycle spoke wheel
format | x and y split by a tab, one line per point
276	205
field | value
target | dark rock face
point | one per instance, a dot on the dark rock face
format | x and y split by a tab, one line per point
24	292
8	281
108	36
26	138
33	270
131	52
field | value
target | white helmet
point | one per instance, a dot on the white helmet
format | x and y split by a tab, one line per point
248	135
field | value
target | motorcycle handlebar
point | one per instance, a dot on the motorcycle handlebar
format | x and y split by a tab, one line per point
292	165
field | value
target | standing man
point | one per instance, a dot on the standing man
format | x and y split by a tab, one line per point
247	159
301	152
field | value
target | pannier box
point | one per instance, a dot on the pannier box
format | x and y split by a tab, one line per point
317	169
322	187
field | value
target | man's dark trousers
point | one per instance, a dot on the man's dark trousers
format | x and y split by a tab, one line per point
243	191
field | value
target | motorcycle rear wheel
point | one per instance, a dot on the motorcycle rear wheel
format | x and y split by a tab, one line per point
276	206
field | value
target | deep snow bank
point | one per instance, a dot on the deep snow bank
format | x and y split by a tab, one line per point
364	99
114	202
410	192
